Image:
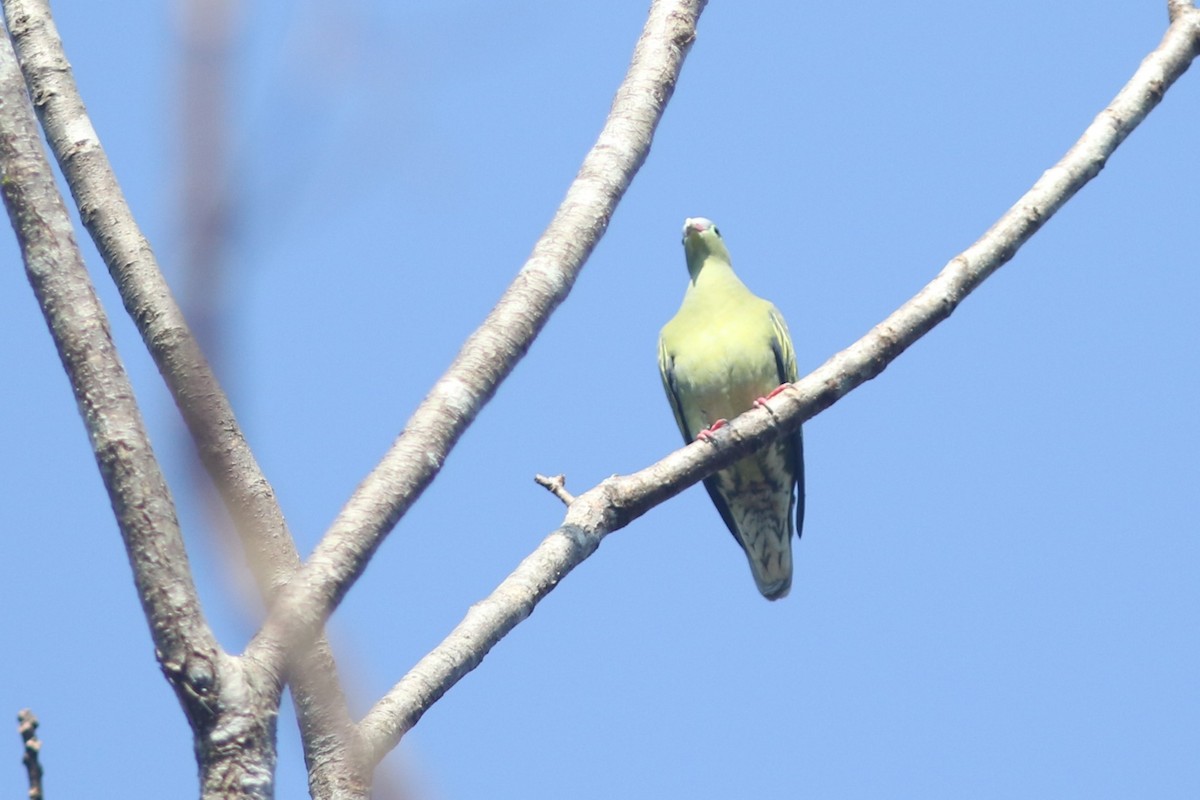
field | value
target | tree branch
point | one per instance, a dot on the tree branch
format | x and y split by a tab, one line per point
619	500
144	291
1177	7
491	352
27	726
326	727
557	486
231	709
140	499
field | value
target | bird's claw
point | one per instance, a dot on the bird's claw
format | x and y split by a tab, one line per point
706	434
762	401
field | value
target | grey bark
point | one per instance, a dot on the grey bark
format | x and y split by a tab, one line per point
233	716
327	731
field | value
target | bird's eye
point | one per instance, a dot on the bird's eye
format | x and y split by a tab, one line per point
716	230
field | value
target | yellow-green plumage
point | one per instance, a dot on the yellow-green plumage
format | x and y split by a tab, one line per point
723	350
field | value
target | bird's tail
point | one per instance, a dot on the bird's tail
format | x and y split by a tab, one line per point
758	512
770	557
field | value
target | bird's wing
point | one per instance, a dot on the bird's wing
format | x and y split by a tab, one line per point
666	366
785	365
781	345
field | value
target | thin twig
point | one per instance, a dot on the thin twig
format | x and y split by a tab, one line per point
557	486
491	352
27	725
619	500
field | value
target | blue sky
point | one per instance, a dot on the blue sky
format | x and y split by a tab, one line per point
996	592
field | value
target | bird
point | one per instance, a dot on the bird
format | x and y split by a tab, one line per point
723	352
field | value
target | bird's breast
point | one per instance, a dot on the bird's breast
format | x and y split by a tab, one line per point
723	374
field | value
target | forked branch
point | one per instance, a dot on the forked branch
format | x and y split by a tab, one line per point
493	350
619	500
321	707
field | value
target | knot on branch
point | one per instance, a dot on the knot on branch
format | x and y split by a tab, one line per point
194	679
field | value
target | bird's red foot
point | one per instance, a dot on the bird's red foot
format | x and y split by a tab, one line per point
760	402
706	434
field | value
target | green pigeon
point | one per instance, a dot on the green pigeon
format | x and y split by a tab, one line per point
721	354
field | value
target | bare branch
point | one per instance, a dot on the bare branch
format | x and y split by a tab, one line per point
1177	7
619	500
231	709
144	291
27	725
327	730
141	501
557	486
492	351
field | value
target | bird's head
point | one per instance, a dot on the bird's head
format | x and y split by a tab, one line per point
702	241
